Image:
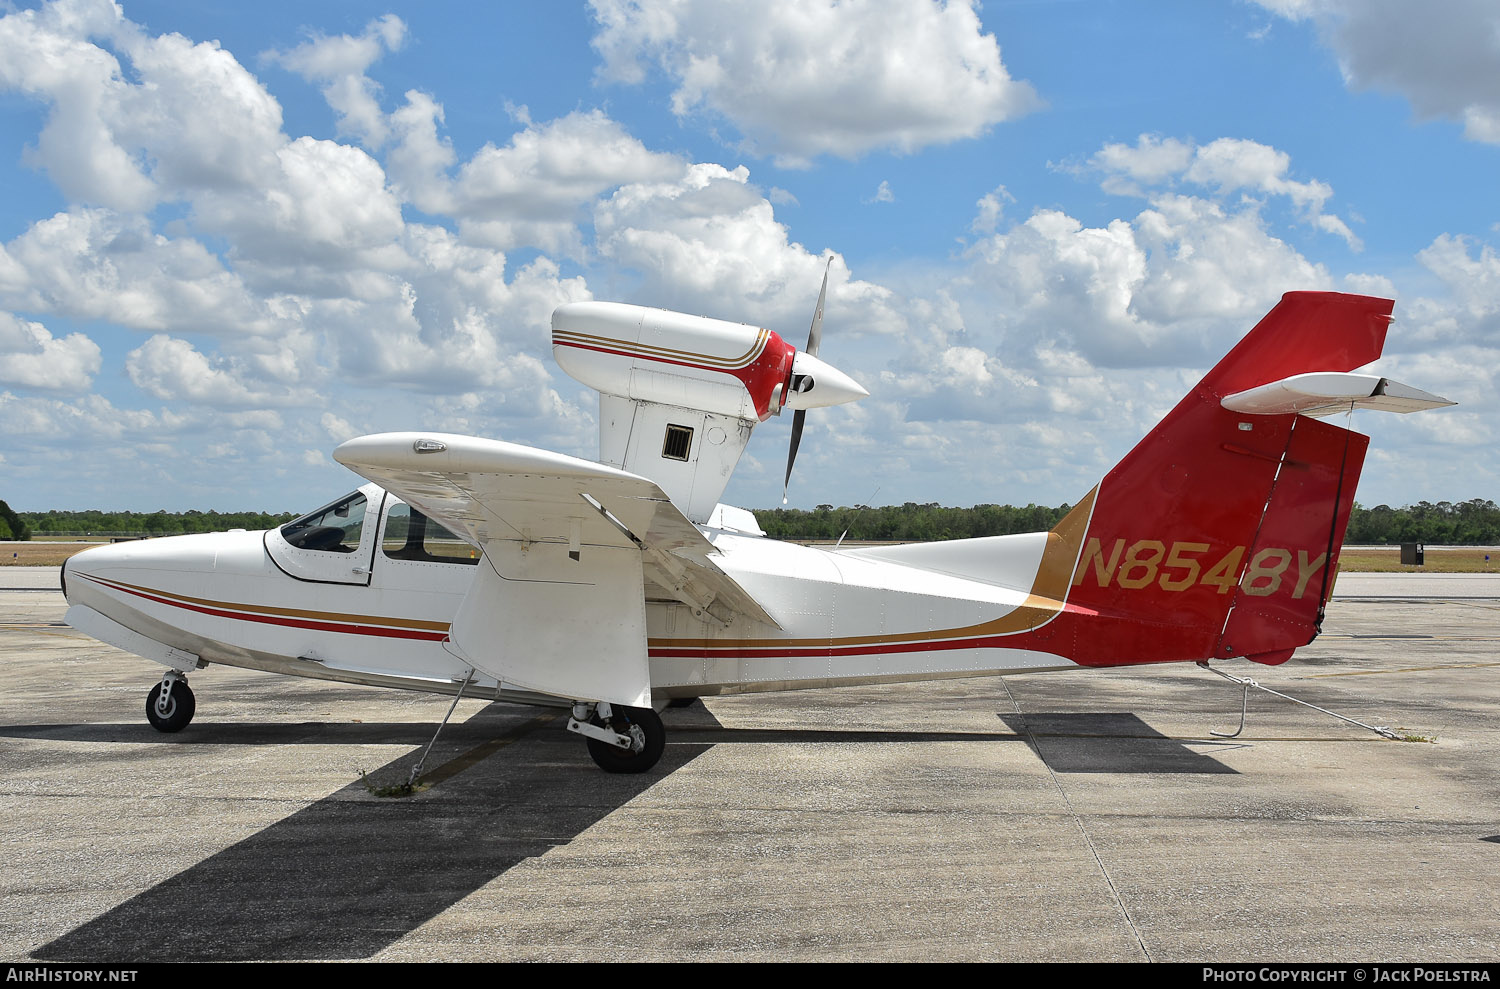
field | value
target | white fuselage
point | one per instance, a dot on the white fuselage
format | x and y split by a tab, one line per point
248	599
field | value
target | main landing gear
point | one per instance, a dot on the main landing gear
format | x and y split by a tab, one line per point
170	705
620	739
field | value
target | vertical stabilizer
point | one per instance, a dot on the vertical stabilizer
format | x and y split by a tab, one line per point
1219	533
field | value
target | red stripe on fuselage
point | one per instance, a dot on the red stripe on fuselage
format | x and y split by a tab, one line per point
814	652
321	626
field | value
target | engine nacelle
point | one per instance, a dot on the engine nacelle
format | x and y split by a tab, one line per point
669	358
679	395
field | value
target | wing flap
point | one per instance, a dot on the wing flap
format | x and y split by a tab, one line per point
583	638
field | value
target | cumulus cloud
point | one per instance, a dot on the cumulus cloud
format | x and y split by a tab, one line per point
153	459
799	80
1174	284
1443	56
710	243
170	368
1470	310
91	419
287	291
1473	278
1226	166
1151	161
339	63
1231	164
184	116
324	209
100	264
452	324
30	357
531	190
991	207
421	156
337	428
961	383
319	276
51	60
1060	342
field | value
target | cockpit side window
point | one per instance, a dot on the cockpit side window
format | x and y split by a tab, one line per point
410	535
335	528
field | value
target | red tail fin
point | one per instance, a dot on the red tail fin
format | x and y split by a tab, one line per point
1218	534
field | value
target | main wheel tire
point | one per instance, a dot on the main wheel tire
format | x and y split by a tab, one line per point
650	738
180	708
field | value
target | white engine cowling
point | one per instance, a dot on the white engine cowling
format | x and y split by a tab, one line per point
654	355
679	395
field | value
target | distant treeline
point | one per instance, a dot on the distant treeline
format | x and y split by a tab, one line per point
1468	523
11	524
149	523
1475	522
907	523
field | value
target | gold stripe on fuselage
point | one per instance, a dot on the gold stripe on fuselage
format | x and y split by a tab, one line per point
1048	597
326	616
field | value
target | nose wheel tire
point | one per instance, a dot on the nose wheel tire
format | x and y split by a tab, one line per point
648	739
180	708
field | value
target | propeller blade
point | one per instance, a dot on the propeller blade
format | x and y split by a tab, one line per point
814	338
791	457
815	335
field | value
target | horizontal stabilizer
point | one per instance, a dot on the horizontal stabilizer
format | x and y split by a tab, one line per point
1325	393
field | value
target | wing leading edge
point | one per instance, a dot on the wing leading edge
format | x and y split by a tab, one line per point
558	605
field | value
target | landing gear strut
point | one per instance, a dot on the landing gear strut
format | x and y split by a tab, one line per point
620	739
170	704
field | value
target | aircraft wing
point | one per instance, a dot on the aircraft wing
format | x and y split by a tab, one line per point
558	603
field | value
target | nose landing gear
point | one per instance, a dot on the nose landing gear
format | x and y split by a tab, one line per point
170	704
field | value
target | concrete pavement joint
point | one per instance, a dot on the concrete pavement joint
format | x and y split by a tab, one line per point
1078	821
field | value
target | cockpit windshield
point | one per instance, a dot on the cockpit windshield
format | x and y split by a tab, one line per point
334	528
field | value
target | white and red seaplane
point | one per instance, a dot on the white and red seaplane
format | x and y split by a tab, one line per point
617	587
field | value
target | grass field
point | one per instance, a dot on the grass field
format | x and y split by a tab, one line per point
38	554
1438	559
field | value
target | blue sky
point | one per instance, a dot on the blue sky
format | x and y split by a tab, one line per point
234	235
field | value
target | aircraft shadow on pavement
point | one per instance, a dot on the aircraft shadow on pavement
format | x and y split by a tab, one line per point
204	732
798	736
1108	743
349	875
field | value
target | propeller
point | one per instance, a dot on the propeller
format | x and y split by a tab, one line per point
814	338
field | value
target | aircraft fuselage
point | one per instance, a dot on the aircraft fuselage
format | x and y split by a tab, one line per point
369	616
